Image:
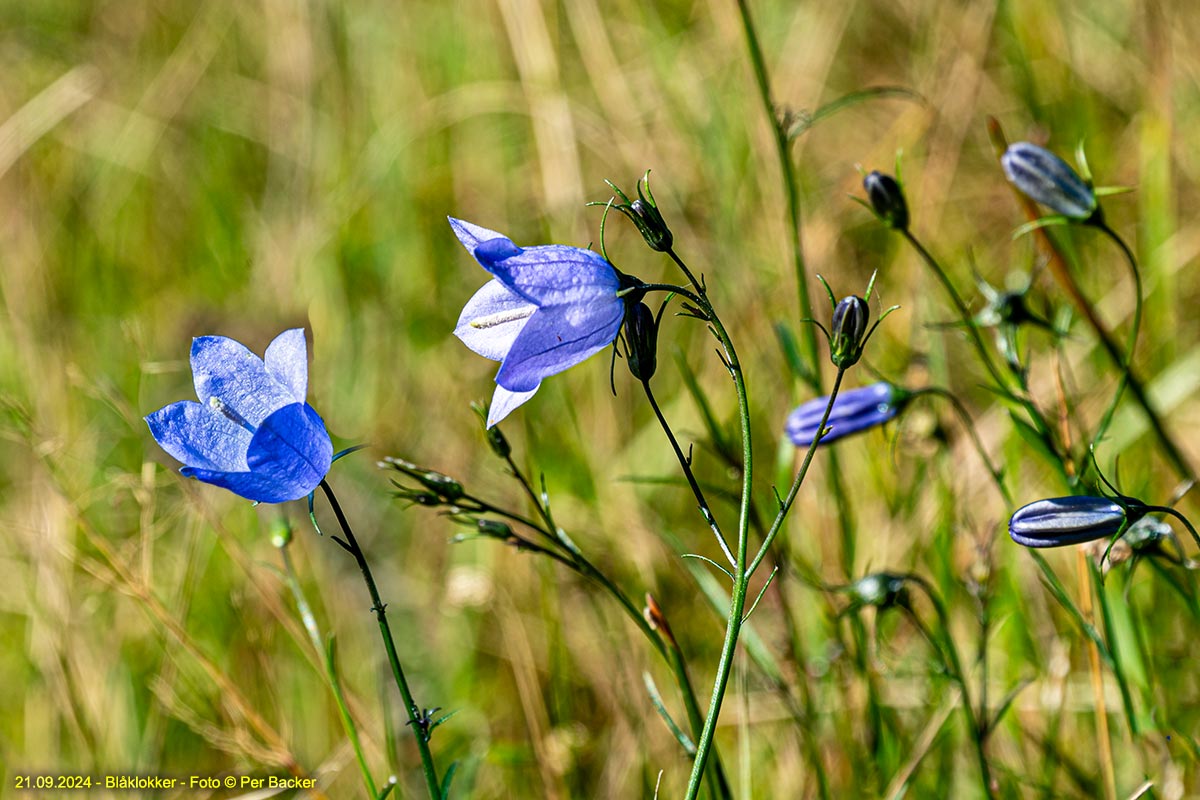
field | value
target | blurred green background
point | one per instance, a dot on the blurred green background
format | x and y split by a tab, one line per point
175	169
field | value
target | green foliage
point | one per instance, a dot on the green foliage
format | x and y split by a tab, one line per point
173	169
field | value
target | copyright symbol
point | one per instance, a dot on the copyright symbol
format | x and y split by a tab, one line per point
230	781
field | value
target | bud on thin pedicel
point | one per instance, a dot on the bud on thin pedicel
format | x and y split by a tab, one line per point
1060	521
887	199
1046	178
644	213
641	340
848	331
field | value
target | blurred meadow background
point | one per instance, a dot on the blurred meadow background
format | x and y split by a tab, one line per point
174	169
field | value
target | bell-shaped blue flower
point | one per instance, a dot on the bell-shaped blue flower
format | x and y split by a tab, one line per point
548	308
853	411
252	431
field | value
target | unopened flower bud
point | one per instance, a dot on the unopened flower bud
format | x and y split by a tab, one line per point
846	334
498	442
887	199
644	213
281	532
494	529
641	339
1046	178
1062	521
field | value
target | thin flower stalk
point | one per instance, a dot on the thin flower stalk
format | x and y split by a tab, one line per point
419	725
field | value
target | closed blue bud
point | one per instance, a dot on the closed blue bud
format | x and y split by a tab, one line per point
1046	178
1062	521
848	330
853	411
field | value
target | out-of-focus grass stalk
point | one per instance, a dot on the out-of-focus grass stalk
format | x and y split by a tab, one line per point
326	653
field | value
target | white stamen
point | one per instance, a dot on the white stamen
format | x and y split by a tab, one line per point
221	408
503	317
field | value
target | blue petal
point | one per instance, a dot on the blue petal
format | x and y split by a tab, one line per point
200	437
505	402
472	235
556	338
259	488
288	458
225	369
491	320
286	360
554	274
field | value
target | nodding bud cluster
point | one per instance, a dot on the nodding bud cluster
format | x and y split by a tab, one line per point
887	199
441	488
644	213
1062	521
641	340
848	331
1046	178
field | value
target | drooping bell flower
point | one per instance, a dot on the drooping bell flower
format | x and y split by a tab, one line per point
548	308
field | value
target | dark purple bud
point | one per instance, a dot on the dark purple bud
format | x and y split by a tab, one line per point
1062	521
641	340
887	199
1046	178
848	330
853	411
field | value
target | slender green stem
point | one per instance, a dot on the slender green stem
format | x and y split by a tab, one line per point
959	305
418	724
685	463
669	651
786	505
738	594
742	576
969	426
1136	388
1126	364
326	656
